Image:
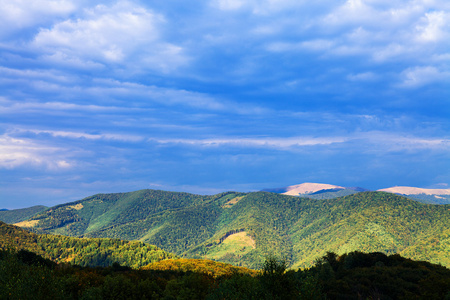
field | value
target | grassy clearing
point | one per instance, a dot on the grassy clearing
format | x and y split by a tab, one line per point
239	244
28	224
232	202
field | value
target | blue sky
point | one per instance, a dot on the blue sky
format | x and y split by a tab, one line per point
211	96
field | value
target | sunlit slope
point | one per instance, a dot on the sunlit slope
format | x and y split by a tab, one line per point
18	215
244	228
203	266
84	252
110	210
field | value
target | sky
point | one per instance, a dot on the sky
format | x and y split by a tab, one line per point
208	96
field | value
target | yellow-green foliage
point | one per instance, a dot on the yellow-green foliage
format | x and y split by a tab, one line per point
203	266
81	251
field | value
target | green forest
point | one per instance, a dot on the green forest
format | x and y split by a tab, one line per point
81	251
300	230
19	215
44	266
356	275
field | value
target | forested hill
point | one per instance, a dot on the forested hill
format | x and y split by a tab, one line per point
83	252
19	215
244	228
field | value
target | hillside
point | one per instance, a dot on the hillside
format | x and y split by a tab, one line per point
19	215
243	229
356	275
83	252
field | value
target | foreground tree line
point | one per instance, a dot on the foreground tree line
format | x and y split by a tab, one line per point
356	275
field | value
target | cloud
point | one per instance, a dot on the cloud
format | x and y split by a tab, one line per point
373	140
419	76
351	12
111	35
279	143
198	94
229	4
19	14
354	28
434	27
15	152
11	107
127	96
42	74
386	142
83	135
363	77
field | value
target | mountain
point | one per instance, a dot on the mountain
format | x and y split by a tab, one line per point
316	190
329	191
19	215
432	196
83	252
304	188
243	228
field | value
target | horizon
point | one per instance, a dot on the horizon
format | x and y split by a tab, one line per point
219	95
434	187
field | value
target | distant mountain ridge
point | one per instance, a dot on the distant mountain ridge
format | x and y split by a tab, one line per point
19	215
316	190
408	190
243	228
432	196
303	188
329	191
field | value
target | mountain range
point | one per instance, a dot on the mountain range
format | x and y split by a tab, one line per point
244	228
329	191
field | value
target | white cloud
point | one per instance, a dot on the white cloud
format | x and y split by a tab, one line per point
383	31
363	77
229	4
61	58
420	76
282	143
390	51
375	141
386	142
83	135
116	34
44	74
19	14
434	27
351	12
15	152
11	107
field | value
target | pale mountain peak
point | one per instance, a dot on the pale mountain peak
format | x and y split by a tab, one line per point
408	190
308	188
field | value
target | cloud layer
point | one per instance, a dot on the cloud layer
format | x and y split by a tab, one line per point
208	96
